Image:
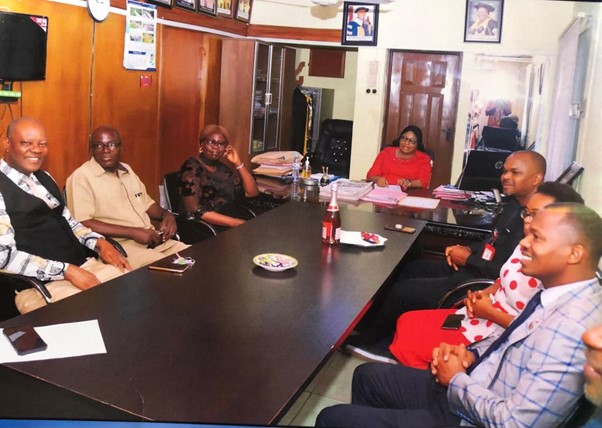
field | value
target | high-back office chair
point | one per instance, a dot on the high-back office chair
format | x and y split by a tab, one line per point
499	139
334	147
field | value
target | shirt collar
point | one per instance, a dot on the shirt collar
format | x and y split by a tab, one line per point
98	170
551	295
12	173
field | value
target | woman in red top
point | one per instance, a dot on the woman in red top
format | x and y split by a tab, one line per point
403	163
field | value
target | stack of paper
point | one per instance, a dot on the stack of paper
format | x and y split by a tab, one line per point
273	187
348	190
449	192
275	164
385	195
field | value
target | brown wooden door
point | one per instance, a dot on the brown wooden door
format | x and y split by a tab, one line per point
423	91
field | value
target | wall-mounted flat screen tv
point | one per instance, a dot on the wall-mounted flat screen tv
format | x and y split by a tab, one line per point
23	41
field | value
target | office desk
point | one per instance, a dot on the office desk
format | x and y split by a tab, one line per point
226	342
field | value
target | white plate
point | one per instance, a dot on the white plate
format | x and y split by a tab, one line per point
275	262
355	238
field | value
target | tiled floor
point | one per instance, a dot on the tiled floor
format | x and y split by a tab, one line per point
331	386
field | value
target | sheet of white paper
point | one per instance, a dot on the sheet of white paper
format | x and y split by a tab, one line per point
63	340
418	202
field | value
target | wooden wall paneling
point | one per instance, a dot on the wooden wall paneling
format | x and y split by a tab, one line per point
294	33
211	71
61	102
184	74
120	101
236	92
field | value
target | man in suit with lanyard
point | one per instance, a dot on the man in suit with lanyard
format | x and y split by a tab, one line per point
421	283
531	375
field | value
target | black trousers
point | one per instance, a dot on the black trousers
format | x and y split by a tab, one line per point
385	395
420	284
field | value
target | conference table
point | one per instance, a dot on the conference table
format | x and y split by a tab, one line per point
224	342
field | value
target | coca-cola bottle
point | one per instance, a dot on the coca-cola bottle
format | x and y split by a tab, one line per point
331	225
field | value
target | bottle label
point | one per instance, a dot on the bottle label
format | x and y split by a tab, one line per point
329	234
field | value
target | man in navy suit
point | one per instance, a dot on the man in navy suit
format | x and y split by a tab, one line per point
530	376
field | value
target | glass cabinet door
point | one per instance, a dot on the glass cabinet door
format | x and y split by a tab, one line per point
261	95
273	123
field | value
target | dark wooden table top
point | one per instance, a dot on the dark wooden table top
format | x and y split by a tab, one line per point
226	342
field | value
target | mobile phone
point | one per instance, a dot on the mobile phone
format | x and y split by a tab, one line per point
453	322
25	340
400	228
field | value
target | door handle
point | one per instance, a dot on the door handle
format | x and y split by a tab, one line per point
448	133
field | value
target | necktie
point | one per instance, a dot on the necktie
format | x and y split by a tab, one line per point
524	315
39	192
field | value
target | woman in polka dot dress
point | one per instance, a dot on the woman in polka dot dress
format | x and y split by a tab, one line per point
487	312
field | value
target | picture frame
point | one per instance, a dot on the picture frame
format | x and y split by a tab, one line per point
164	3
570	174
483	21
187	4
208	7
360	24
225	7
243	10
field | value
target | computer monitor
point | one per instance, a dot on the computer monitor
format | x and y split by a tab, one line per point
500	139
483	170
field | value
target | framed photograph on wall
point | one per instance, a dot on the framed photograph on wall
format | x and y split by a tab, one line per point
360	24
483	22
224	7
166	3
208	6
243	10
187	4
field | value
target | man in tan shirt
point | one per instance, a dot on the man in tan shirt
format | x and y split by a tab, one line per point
109	198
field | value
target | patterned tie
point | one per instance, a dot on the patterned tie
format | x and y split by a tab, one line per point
40	192
524	315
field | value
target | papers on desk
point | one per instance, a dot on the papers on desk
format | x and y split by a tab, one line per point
385	195
349	190
452	193
275	164
418	202
63	340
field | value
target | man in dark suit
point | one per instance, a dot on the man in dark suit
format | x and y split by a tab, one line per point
421	283
38	236
531	375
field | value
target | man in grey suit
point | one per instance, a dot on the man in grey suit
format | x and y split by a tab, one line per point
531	375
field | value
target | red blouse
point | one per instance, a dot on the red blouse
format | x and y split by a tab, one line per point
388	165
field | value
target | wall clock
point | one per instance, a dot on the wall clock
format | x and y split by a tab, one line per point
98	9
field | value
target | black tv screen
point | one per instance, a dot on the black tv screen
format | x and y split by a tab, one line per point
22	46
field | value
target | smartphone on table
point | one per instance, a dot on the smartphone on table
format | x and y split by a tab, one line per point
25	340
453	322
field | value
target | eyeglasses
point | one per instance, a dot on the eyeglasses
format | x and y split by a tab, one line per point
100	147
408	140
214	143
525	214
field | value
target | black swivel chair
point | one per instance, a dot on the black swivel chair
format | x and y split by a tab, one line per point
333	148
193	230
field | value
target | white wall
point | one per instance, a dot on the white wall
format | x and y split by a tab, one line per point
344	88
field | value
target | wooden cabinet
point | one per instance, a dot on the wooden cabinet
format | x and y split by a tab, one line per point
256	91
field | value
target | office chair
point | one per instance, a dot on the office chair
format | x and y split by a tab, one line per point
12	282
499	139
193	230
454	298
334	147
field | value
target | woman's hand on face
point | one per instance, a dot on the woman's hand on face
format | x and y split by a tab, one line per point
232	155
381	182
